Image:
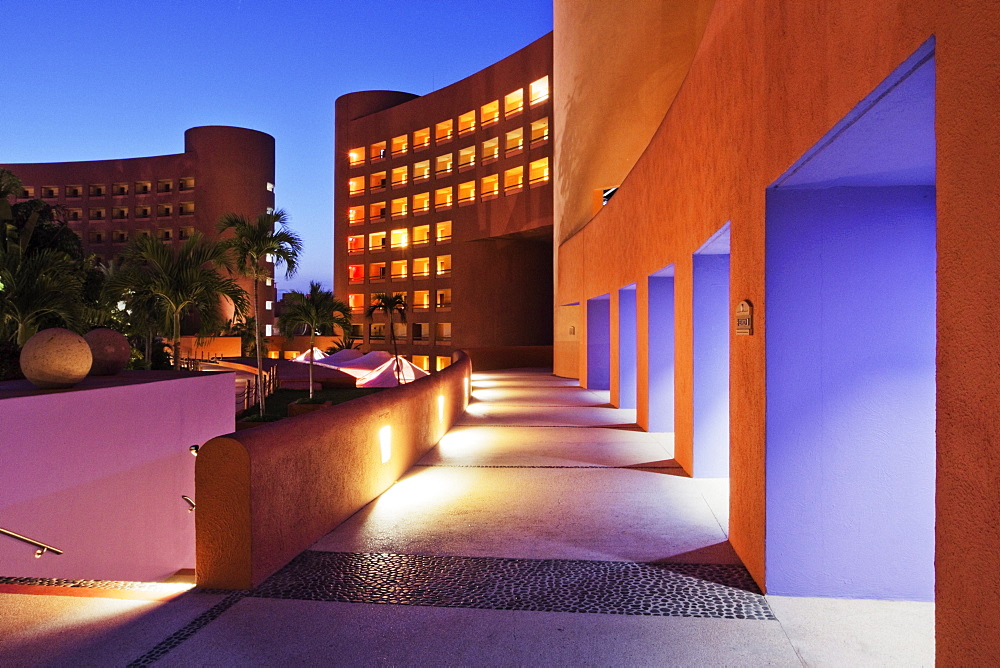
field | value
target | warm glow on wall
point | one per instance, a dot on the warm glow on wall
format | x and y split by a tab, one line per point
385	442
440	408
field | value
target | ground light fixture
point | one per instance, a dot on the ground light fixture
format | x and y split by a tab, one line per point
385	442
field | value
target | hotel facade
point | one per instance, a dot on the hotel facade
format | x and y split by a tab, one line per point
446	199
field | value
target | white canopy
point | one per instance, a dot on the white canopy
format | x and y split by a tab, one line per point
385	375
340	357
362	365
315	353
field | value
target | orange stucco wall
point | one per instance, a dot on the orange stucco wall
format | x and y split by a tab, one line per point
768	80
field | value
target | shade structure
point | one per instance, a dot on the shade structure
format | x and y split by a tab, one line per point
340	357
316	354
385	375
363	365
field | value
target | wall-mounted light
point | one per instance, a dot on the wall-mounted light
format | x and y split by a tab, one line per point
385	442
194	450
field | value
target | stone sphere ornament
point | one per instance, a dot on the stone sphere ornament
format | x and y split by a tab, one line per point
56	358
110	350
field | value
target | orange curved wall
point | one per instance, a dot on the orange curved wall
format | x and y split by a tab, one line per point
769	79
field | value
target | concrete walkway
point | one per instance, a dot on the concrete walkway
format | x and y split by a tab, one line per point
545	529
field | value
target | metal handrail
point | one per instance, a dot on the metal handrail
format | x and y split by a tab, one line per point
42	547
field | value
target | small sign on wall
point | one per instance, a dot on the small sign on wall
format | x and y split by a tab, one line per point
744	318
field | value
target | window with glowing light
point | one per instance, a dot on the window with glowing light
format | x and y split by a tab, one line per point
538	91
538	172
268	305
513	103
467	192
443	232
443	362
376	182
421	203
399	330
376	211
421	235
490	150
422	267
489	113
398	270
355	274
444	299
119	212
96	214
377	151
376	242
422	361
74	191
467	123
443	164
421	138
143	187
467	158
443	265
74	214
356	186
164	210
421	171
96	190
443	198
443	131
400	145
400	238
513	180
186	208
164	186
399	207
356	301
490	186
539	131
356	156
514	142
356	245
399	176
377	331
355	215
421	300
376	272
97	236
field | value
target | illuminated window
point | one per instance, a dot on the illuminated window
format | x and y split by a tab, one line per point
539	131
165	234
268	305
142	211
443	164
376	272
399	176
442	198
142	234
186	233
356	301
164	210
119	236
421	299
356	245
27	192
122	188
376	242
443	265
491	150
442	362
96	214
376	182
356	273
421	267
467	122
398	269
355	215
267	281
185	208
269	331
467	192
377	151
421	138
97	236
398	207
164	186
490	186
94	191
422	361
400	145
400	238
421	171
356	186
50	191
376	211
538	172
74	214
489	113
421	332
421	235
514	142
444	298
143	187
377	331
513	180
187	183
538	91
442	331
421	203
513	103
74	191
467	158
442	234
119	212
443	131
399	330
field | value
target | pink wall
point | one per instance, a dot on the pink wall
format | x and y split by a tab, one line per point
98	472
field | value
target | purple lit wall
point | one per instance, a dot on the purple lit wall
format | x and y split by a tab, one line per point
711	358
627	354
599	343
661	350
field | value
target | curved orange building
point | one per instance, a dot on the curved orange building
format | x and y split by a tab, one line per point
108	202
447	199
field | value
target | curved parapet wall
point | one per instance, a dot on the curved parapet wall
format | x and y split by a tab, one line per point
266	494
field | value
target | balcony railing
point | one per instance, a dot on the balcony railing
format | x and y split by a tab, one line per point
444	272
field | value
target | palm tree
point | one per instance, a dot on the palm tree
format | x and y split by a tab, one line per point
390	304
255	244
188	281
319	311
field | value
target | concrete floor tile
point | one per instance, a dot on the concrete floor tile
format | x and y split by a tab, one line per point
66	630
281	632
856	632
487	413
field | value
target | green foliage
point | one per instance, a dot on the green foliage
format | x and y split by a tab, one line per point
317	312
390	304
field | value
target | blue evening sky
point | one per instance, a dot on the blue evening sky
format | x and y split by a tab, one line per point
89	80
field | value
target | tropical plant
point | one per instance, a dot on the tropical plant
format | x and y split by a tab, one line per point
254	245
345	342
390	304
317	312
186	281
